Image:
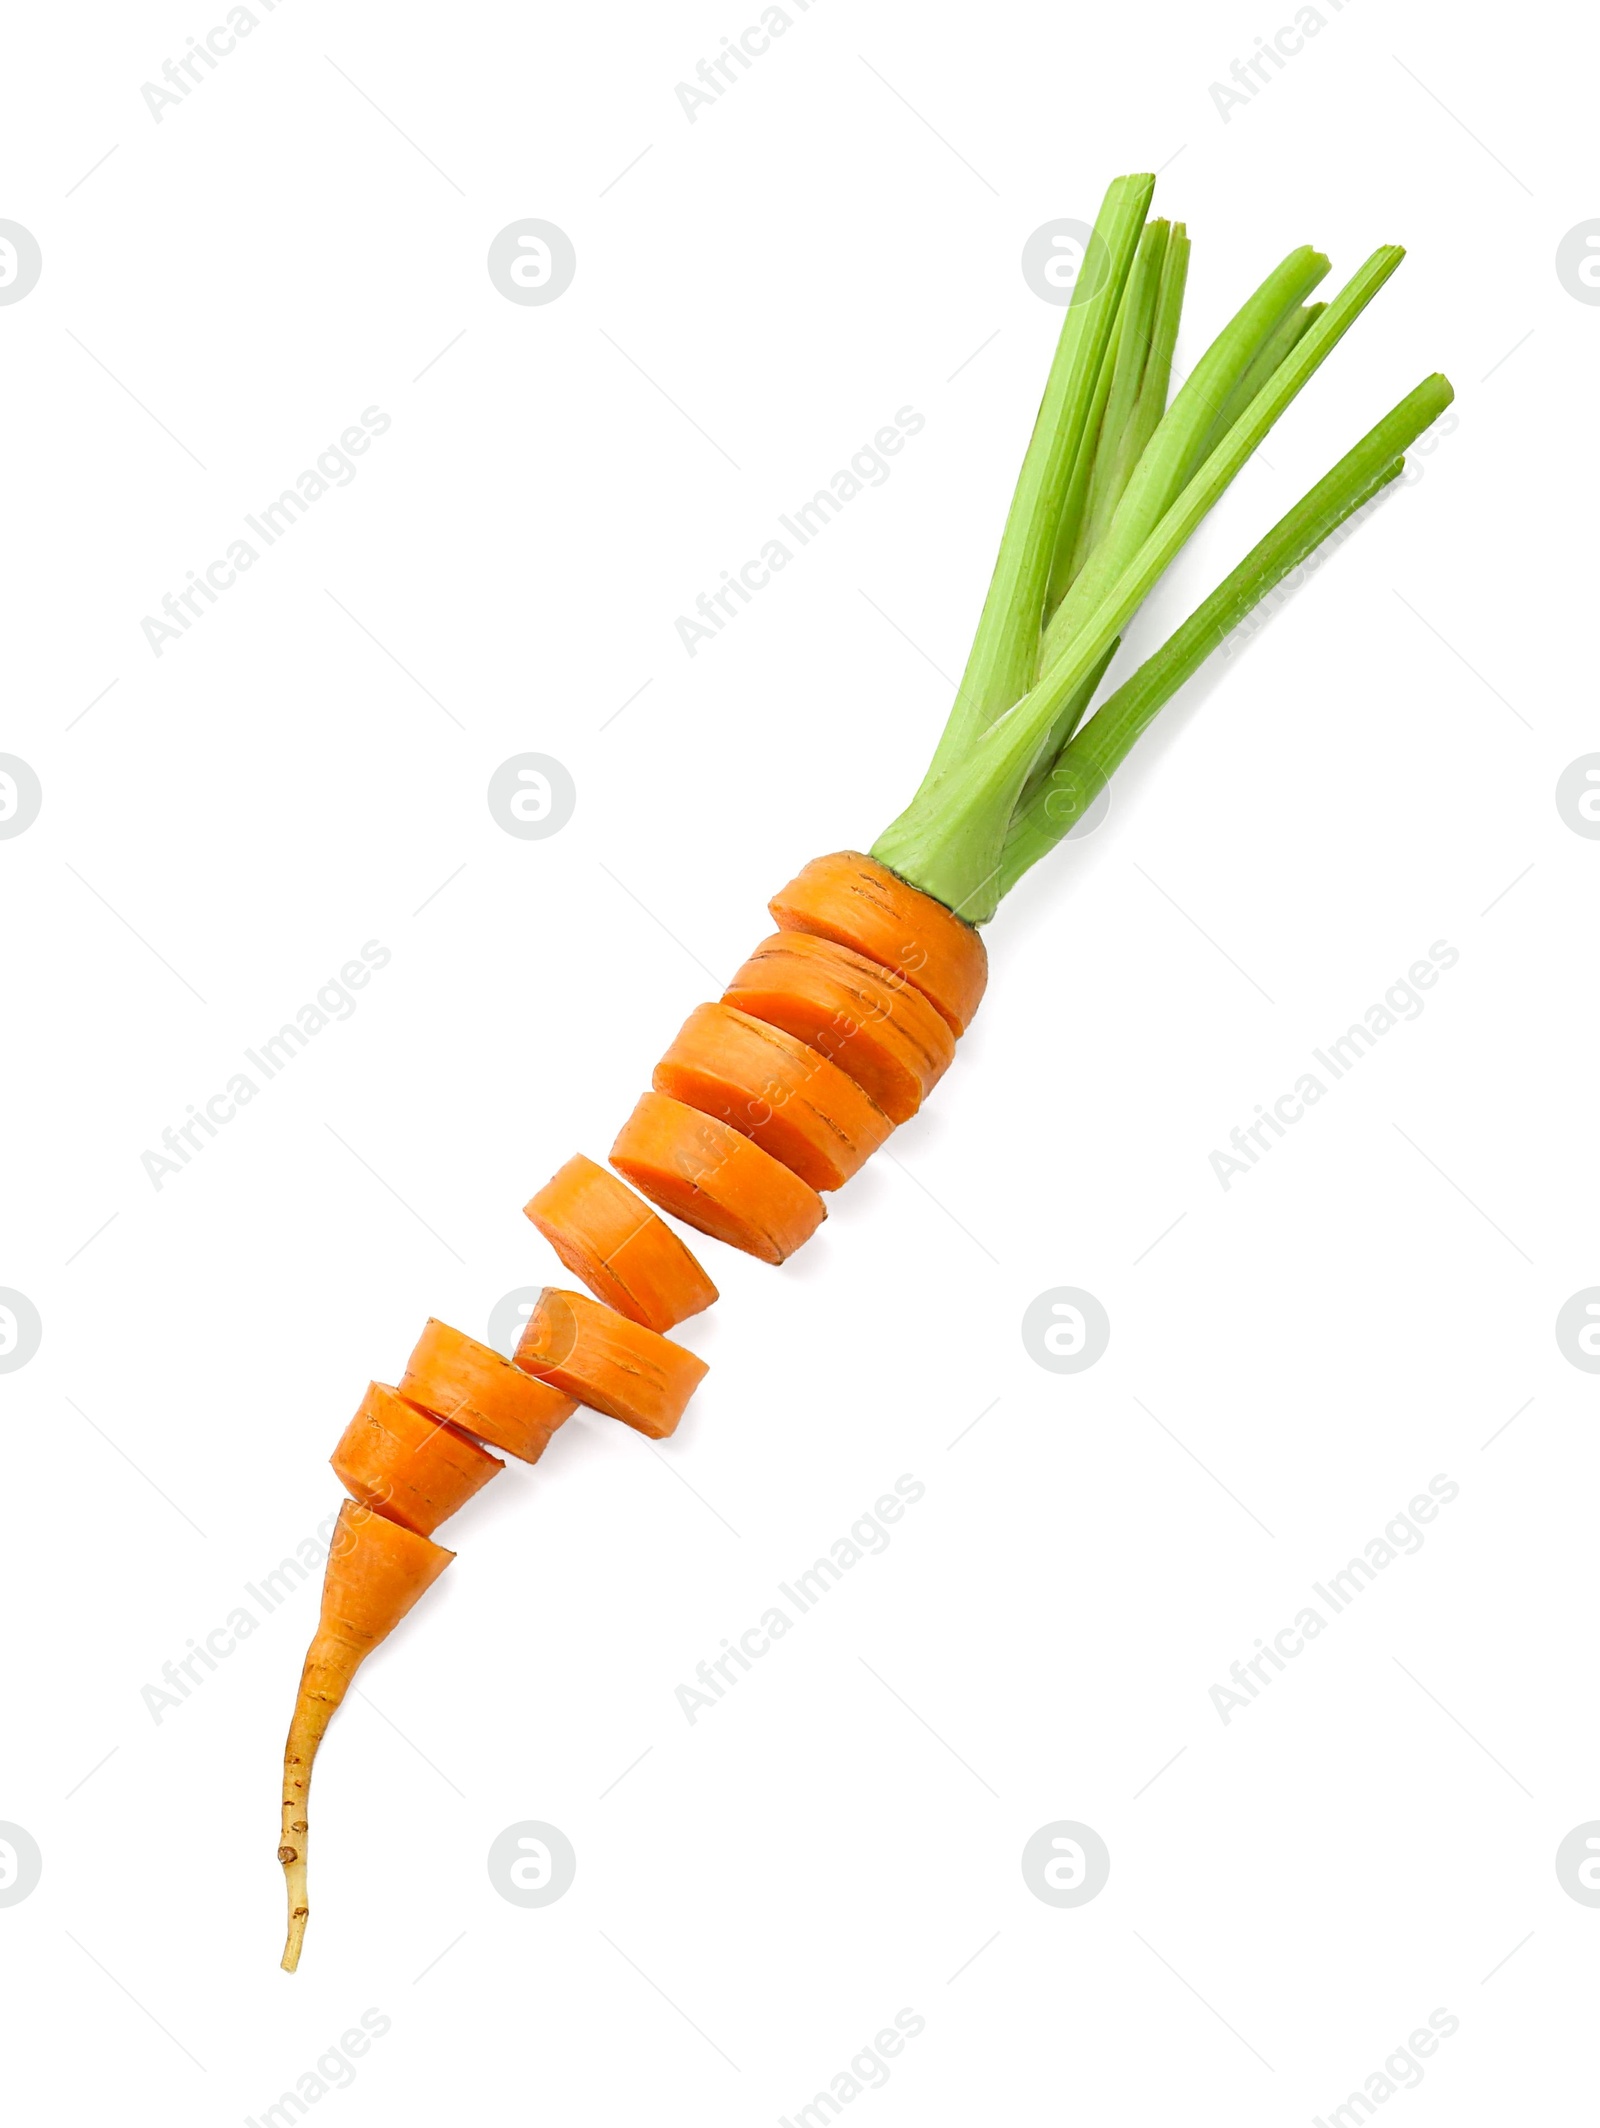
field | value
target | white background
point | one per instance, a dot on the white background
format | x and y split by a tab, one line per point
758	1893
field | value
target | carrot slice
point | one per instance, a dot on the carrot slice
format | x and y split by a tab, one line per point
857	902
456	1378
376	1571
409	1465
797	1106
872	1024
624	1254
704	1172
613	1365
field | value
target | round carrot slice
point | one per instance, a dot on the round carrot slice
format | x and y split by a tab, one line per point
589	1351
704	1172
624	1254
409	1465
456	1378
858	902
797	1106
872	1024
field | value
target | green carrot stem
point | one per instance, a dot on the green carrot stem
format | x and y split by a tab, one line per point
1076	498
949	840
1052	804
1291	329
1152	406
1136	319
1001	663
1057	801
1153	315
1067	723
1170	457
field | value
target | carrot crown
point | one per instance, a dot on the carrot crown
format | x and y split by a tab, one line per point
1113	483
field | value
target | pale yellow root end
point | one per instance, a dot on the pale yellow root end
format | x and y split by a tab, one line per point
376	1571
322	1686
294	1869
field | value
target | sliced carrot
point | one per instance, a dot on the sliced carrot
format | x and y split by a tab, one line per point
613	1365
456	1378
409	1465
704	1172
376	1571
624	1254
872	1024
797	1106
857	902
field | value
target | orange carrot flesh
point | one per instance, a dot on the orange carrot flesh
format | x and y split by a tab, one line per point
376	1571
858	902
707	1174
407	1464
608	1363
624	1254
872	1024
473	1386
789	1098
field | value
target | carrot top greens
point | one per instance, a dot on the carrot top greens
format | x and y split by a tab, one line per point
1113	482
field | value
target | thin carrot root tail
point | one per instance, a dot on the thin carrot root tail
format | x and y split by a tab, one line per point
298	1910
323	1684
376	1571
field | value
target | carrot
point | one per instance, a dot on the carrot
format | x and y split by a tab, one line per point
473	1386
860	904
589	1351
624	1254
409	1465
871	1023
797	1106
376	1572
839	1026
702	1171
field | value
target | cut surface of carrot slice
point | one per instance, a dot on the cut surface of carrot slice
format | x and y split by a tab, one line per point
872	1024
412	1467
624	1254
858	902
706	1173
770	1086
589	1351
456	1378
